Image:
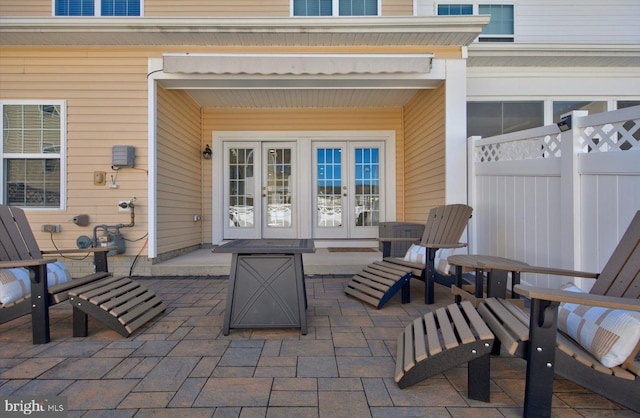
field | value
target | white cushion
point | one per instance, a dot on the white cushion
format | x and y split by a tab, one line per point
610	335
417	254
15	283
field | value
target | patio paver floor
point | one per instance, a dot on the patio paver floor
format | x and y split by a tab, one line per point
180	364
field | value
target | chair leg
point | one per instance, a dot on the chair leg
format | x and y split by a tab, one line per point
80	323
39	304
478	378
406	292
429	276
540	358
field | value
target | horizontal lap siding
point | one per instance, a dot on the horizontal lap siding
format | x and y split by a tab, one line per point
299	120
424	164
559	21
106	94
179	158
207	8
25	8
397	8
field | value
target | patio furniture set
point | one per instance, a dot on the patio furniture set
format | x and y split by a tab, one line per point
590	338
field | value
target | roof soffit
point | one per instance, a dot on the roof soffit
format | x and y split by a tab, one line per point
347	31
553	55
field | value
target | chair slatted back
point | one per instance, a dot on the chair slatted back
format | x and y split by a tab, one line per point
446	224
17	241
620	277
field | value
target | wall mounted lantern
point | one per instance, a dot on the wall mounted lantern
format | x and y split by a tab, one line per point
206	154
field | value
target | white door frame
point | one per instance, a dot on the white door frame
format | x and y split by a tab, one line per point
304	171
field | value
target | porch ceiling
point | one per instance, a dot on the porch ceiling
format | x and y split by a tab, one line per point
302	98
290	31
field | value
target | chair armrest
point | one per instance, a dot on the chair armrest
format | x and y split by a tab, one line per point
76	251
26	263
437	246
399	239
538	270
557	295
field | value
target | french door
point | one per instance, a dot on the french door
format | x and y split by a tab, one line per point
260	190
347	189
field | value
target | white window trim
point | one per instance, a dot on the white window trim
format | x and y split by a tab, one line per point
97	7
335	9
63	149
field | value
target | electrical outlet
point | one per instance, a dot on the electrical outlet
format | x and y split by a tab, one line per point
124	206
52	228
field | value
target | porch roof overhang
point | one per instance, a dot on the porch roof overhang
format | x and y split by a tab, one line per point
273	31
553	55
297	64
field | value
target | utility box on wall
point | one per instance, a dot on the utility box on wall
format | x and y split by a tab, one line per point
400	230
122	156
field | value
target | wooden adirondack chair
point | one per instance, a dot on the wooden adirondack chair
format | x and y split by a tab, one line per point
379	281
119	303
535	337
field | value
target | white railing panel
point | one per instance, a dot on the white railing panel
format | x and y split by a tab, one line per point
556	205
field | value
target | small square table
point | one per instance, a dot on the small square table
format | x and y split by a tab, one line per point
266	284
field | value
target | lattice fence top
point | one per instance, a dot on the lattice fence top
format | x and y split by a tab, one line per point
547	146
610	137
607	137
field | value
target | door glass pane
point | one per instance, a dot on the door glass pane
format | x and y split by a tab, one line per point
329	187
241	186
367	183
278	189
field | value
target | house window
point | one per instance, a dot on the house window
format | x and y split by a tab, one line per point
98	7
31	154
455	9
560	108
312	7
487	119
335	7
500	27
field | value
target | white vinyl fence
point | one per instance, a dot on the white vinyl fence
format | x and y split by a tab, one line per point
556	199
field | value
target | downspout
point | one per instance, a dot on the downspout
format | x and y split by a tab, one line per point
152	247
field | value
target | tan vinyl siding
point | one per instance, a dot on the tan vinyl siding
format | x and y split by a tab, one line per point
207	8
397	7
424	153
179	157
25	8
106	95
296	120
198	8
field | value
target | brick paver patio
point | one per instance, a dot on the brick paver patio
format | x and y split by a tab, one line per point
180	364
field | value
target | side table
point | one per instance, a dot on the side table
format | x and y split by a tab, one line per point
496	269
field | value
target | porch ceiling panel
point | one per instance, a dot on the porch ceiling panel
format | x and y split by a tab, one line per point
297	64
302	98
290	31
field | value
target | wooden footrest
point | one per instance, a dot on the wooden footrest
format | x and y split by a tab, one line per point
377	283
444	339
121	304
